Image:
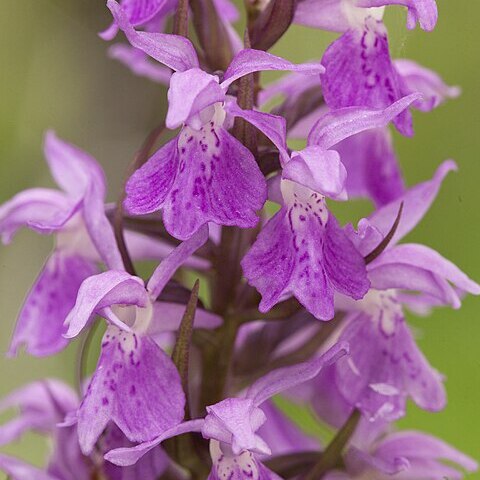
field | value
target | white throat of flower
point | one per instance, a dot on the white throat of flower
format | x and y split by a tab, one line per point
383	308
303	202
356	16
227	463
74	239
213	113
138	318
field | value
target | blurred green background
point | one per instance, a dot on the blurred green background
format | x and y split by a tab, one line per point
54	74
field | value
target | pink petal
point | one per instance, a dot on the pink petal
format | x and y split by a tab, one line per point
167	268
40	325
136	386
173	51
250	60
340	124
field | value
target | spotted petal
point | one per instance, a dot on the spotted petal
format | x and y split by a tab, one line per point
136	386
148	188
359	72
209	186
303	252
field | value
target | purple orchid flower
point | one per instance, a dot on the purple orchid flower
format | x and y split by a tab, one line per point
136	385
302	250
138	61
232	424
408	455
192	178
385	365
359	70
140	13
83	238
369	158
43	406
76	216
19	470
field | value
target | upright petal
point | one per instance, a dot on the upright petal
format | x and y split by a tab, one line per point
327	15
218	181
340	124
405	276
174	51
102	291
40	325
424	257
319	170
273	126
420	79
139	63
422	11
139	12
286	378
148	187
167	268
416	202
72	168
40	209
359	72
234	421
136	386
250	60
190	92
99	228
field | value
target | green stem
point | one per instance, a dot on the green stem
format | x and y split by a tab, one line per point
332	456
180	21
